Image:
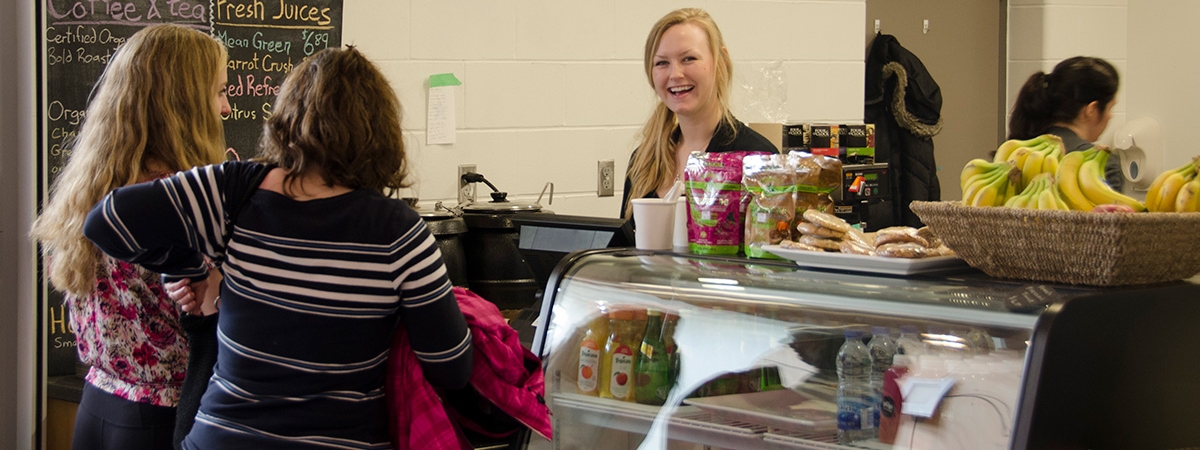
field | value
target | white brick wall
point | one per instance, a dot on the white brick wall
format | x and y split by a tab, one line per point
1044	32
1161	74
552	86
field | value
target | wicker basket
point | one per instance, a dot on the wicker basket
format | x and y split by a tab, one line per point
1098	249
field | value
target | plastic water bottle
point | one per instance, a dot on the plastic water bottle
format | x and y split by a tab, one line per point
909	342
882	349
854	395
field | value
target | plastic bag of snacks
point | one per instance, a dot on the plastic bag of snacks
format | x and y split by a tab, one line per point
816	177
770	184
716	202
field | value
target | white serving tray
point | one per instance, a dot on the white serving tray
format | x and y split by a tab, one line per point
869	264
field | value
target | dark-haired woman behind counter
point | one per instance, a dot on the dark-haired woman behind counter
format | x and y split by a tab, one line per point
1074	102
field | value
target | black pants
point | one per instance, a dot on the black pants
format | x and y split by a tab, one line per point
107	422
202	338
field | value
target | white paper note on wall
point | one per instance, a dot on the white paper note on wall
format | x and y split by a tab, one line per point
439	116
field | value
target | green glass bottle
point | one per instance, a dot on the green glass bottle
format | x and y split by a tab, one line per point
652	372
670	321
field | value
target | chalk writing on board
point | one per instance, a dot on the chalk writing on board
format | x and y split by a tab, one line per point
266	39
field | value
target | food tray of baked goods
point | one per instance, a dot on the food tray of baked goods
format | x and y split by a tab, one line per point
870	264
1073	247
827	242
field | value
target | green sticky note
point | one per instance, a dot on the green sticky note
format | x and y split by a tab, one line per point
443	79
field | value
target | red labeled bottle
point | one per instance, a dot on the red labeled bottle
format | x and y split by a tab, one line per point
891	402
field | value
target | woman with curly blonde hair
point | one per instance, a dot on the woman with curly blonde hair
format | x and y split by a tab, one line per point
157	110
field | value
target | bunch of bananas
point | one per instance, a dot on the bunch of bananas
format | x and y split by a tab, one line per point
989	183
1039	194
1034	156
1175	190
1081	182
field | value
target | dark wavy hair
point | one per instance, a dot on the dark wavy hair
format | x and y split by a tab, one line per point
1058	96
336	115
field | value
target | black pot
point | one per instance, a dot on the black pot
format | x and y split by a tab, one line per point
448	230
496	269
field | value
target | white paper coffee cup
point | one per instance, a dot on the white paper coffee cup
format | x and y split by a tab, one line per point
655	221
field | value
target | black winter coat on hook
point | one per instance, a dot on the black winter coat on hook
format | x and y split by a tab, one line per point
905	104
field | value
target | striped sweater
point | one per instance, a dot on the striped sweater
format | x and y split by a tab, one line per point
313	292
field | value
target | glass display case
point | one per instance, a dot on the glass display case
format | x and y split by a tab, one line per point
681	351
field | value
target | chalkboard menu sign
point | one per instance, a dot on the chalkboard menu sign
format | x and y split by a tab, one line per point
265	39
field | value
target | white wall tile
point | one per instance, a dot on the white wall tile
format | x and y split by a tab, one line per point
436	166
812	96
568	159
760	92
807	31
515	94
1026	33
633	20
374	28
1108	35
610	93
1160	76
410	80
1076	30
481	30
564	30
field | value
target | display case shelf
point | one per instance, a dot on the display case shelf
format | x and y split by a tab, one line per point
738	317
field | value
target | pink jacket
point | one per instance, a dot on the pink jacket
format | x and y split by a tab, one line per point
505	373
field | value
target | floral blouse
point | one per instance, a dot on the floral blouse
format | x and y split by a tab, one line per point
128	330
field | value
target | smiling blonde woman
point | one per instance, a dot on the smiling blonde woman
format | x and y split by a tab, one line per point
689	68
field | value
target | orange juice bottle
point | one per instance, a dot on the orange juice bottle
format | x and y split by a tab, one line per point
590	351
616	363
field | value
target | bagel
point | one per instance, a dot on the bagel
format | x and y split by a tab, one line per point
822	243
798	246
826	220
903	250
900	234
817	230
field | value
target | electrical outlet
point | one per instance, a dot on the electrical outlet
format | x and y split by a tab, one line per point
605	178
466	191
